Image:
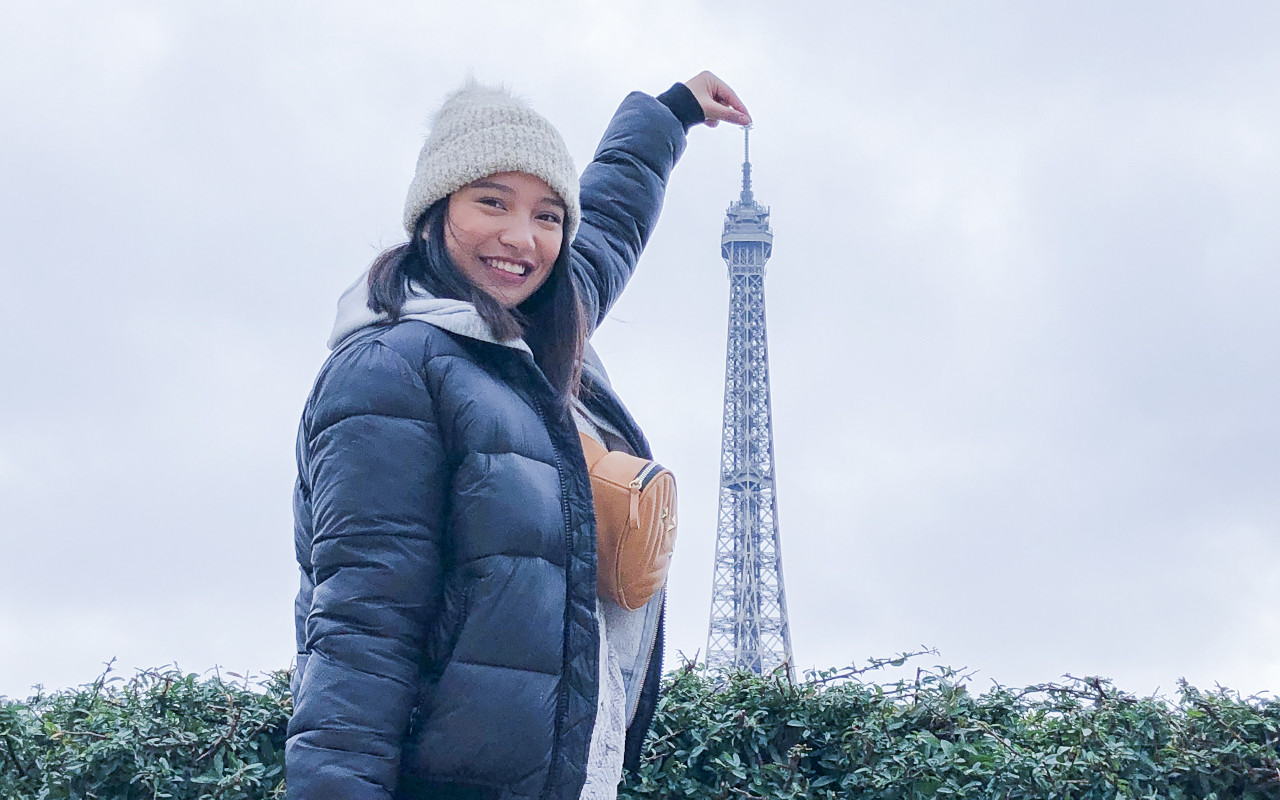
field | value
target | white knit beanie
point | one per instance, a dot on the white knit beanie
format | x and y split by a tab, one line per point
481	130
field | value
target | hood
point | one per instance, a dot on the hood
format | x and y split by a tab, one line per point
455	316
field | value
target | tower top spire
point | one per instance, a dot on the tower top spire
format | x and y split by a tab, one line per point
746	220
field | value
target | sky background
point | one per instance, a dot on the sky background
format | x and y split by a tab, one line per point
1022	310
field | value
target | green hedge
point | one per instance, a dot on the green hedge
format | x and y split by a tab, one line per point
161	734
837	734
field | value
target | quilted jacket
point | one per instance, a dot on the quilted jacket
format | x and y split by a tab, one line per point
446	630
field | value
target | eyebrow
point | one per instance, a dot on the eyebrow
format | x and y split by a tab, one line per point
505	189
501	187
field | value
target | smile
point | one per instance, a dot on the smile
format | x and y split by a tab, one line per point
511	267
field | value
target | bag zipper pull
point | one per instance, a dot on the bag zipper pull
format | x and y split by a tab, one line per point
634	513
635	486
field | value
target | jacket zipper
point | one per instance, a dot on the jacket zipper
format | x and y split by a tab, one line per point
653	645
562	696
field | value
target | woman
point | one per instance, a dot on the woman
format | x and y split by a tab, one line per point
450	641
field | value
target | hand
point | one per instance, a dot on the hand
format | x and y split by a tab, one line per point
718	101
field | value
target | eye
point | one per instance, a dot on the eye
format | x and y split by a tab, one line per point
492	202
552	217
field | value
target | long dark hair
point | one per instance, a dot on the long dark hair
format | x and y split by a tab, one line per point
552	321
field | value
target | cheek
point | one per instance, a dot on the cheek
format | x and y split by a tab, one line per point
549	243
459	237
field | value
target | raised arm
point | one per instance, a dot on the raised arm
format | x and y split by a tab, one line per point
624	185
375	473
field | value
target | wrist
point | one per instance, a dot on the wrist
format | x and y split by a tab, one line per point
686	108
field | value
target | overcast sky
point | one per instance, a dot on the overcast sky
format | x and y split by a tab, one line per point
1023	319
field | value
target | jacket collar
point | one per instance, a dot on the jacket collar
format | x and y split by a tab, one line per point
455	316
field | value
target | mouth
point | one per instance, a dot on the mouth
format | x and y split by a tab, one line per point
516	268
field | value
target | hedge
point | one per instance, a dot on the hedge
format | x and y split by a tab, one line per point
837	734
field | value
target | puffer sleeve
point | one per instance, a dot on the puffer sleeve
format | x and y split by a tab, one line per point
378	483
621	196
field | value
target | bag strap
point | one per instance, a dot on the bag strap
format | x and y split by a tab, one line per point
593	450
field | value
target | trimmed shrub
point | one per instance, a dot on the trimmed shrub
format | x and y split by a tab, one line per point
168	734
162	734
837	736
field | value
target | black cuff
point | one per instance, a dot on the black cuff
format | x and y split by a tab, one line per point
684	105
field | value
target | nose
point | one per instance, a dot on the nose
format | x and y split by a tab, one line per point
517	234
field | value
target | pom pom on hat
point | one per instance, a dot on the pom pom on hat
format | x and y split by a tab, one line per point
481	130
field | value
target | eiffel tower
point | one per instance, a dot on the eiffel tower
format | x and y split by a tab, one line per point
749	628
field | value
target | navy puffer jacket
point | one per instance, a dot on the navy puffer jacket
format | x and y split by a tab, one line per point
446	624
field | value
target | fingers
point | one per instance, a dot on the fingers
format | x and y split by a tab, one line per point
736	111
718	101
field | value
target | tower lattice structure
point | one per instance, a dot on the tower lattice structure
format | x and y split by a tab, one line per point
749	627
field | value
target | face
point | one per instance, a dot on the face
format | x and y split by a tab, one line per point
504	232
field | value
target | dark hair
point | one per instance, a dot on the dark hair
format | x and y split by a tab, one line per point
552	321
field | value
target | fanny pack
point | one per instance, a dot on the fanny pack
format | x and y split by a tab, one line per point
635	502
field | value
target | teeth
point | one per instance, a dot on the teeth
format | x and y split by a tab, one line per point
507	266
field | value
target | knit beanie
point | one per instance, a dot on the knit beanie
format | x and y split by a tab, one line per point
481	130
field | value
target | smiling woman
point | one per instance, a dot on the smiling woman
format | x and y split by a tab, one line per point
504	232
452	641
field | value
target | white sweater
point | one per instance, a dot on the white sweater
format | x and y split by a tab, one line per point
604	761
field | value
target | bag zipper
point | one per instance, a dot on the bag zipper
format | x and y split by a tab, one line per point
647	474
650	471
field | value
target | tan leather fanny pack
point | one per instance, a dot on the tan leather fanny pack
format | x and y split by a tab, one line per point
635	503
